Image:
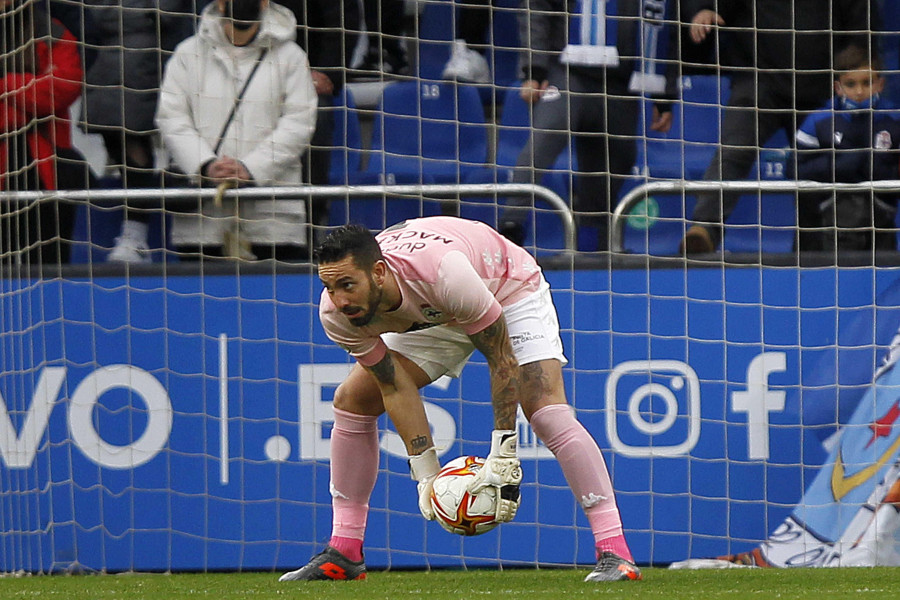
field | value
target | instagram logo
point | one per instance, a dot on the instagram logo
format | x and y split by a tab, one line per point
660	401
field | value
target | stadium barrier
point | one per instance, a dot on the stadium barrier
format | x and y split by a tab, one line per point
634	197
138	197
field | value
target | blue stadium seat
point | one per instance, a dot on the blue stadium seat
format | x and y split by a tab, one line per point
378	212
777	213
428	129
346	157
514	127
685	151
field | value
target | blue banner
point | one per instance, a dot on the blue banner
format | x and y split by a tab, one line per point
182	423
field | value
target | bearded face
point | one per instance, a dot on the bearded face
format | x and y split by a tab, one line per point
354	291
363	314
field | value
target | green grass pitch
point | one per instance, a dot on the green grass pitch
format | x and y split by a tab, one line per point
733	584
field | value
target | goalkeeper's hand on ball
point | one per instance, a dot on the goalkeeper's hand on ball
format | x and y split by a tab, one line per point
424	468
501	470
425	506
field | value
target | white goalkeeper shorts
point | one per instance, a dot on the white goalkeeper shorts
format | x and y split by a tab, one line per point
444	350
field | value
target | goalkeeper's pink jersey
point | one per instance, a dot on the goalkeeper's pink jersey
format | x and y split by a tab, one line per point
450	272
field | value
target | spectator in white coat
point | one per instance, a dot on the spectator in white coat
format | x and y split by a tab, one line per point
215	133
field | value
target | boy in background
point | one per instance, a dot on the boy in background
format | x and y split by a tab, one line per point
854	138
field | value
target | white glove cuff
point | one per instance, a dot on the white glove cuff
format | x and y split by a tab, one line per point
424	466
504	443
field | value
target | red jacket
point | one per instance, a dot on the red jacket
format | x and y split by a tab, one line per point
44	97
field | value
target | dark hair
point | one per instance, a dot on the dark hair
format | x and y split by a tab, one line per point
350	240
855	57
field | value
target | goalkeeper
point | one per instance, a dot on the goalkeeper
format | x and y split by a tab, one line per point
411	305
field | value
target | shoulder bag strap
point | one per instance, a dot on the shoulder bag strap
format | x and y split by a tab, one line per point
238	100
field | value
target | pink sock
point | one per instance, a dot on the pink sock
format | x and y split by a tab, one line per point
354	468
617	545
349	547
584	469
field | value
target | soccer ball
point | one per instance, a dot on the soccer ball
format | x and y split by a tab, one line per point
457	510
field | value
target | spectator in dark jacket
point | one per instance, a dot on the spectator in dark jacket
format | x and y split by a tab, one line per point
590	90
41	78
779	55
135	39
385	32
328	31
854	138
80	25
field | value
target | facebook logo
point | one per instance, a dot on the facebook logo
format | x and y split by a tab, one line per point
758	401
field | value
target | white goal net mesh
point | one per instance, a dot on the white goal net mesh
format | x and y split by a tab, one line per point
166	388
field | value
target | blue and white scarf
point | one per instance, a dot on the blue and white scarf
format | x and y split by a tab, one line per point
593	34
649	73
592	38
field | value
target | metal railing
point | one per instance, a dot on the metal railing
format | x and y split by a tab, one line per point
635	196
137	197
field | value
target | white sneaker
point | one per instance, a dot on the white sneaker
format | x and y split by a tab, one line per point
466	65
130	250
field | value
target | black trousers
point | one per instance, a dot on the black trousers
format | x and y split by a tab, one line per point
473	22
601	120
41	233
757	109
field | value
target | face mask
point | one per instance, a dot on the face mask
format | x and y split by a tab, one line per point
868	103
244	13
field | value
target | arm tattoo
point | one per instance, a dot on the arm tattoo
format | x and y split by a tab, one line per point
493	342
383	371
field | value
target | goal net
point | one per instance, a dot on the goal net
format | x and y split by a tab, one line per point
166	388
